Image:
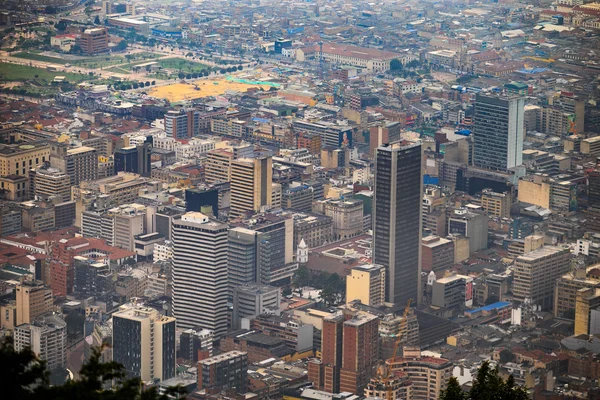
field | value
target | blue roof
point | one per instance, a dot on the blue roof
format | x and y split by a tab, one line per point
464	132
490	307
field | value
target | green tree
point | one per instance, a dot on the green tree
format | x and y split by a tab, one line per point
97	20
453	391
61	26
489	385
395	65
121	46
24	376
301	277
239	68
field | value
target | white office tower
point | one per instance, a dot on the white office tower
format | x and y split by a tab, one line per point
200	273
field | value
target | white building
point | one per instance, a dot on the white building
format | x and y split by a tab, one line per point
200	273
163	251
194	149
47	338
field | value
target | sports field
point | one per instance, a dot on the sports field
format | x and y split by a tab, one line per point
199	88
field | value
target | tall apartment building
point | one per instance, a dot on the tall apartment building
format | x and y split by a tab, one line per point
200	273
144	342
397	219
367	284
47	182
260	251
181	124
349	353
535	274
46	336
93	41
252	300
251	185
429	375
225	371
570	104
80	163
498	132
33	299
217	167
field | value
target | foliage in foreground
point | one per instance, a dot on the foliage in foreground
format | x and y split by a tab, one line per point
487	385
24	376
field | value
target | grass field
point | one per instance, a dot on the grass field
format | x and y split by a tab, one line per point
180	64
15	72
39	57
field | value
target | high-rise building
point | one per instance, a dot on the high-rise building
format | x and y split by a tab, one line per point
349	352
452	291
498	131
33	300
252	300
46	336
429	375
260	251
594	188
472	224
397	219
134	159
144	342
360	352
496	204
50	182
437	254
218	166
182	124
535	274
195	341
251	185
80	163
200	273
367	284
225	371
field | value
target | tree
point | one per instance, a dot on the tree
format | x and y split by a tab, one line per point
301	277
97	20
239	68
121	46
489	385
506	356
395	65
181	75
453	391
147	84
22	372
61	26
153	83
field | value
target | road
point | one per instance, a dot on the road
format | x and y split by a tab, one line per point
75	359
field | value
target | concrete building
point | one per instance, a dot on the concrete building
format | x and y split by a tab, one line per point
181	124
316	230
50	182
429	375
384	133
367	284
587	301
93	41
336	53
498	132
397	219
252	300
16	159
193	342
251	185
260	250
200	273
225	371
565	294
217	167
135	159
472	224
346	214
452	292
46	336
437	254
297	197
118	226
144	342
296	334
496	204
80	163
535	275
33	299
10	222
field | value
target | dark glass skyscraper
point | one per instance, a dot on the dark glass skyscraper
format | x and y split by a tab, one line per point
397	219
